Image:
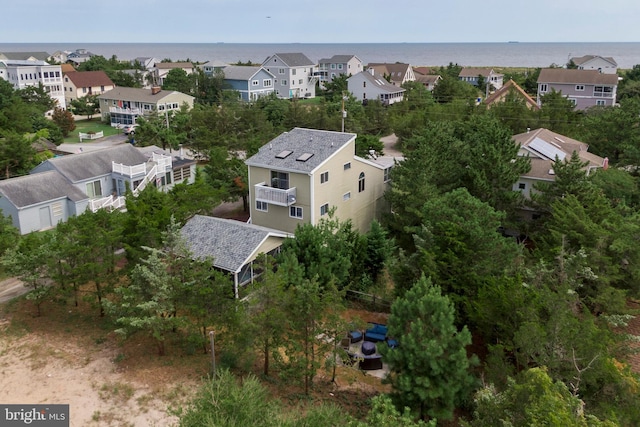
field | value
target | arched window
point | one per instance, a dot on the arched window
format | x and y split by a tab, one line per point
361	182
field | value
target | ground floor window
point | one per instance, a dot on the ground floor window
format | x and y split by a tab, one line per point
295	212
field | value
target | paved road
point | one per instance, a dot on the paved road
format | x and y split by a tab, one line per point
98	144
11	288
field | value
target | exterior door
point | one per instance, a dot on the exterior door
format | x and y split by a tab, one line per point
45	217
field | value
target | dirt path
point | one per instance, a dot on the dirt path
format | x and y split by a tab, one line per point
36	370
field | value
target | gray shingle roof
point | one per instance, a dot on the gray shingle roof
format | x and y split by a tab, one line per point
379	82
579	60
337	59
83	166
28	190
135	94
230	243
321	143
295	59
42	56
235	72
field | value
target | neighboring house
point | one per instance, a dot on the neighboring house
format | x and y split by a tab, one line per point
78	84
232	245
543	146
24	56
32	72
337	65
124	104
585	88
472	75
294	73
40	201
65	186
603	64
299	176
105	175
365	86
424	76
60	56
161	69
146	62
397	73
250	82
209	68
79	56
514	89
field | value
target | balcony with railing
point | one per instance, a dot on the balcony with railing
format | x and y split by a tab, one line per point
275	196
120	110
129	171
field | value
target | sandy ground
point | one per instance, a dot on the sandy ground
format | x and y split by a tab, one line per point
35	370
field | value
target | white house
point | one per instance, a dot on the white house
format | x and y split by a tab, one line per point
295	76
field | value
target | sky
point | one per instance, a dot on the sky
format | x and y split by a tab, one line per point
328	21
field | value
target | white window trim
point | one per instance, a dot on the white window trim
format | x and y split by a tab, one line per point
346	196
301	212
262	206
324	177
324	209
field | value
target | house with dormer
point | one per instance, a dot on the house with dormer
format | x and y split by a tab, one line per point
397	74
542	147
602	64
366	86
337	65
123	105
585	88
78	84
300	176
249	82
294	75
490	76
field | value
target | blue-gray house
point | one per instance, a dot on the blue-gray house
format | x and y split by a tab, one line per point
250	82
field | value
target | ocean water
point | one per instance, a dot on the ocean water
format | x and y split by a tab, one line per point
508	54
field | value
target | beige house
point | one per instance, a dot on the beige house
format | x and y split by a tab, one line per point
124	104
161	69
299	176
472	75
78	84
513	88
542	146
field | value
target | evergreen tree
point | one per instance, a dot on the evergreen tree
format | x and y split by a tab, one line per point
430	371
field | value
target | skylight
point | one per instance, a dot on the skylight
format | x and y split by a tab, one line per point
304	157
283	154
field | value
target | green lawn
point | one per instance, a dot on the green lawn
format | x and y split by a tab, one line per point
94	125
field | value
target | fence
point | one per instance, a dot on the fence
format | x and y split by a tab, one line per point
94	135
368	301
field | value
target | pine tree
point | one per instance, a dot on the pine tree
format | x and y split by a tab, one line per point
430	370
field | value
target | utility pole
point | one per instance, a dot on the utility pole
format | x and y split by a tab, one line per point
344	112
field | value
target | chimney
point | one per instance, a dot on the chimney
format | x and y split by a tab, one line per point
155	90
605	163
181	152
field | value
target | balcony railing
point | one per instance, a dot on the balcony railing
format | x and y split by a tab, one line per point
275	196
119	110
129	171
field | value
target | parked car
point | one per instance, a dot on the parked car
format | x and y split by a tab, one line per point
129	129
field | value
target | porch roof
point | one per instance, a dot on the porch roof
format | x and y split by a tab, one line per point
230	243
